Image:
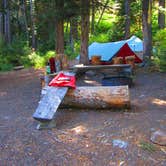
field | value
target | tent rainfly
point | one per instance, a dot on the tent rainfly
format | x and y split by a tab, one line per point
123	48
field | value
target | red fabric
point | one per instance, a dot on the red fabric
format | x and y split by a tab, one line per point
62	80
126	51
52	65
106	63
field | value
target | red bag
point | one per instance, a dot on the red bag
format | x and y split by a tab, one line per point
52	64
62	80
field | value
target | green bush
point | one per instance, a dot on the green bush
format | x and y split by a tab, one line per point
13	54
102	38
160	47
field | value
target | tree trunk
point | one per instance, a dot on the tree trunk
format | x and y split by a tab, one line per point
73	32
59	37
102	12
71	35
93	17
84	32
127	21
7	32
1	25
161	15
147	28
98	97
32	8
59	28
23	11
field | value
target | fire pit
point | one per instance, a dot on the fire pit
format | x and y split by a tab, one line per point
117	81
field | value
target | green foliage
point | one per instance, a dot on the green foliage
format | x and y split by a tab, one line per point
102	37
160	49
36	60
103	27
12	54
39	60
147	146
116	32
18	53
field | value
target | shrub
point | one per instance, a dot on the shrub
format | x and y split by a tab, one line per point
160	47
99	38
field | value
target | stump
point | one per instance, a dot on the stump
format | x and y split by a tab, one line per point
130	60
118	60
96	60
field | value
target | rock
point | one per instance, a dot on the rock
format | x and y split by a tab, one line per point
159	137
120	143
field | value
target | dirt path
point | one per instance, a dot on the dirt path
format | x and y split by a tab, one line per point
82	137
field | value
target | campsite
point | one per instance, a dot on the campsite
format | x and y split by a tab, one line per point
83	83
81	135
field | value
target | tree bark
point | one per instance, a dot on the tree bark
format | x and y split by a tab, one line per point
93	17
161	15
23	12
84	32
59	28
32	8
127	20
73	32
7	32
147	28
59	37
98	97
1	25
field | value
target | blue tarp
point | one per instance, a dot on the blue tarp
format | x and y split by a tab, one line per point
135	44
108	50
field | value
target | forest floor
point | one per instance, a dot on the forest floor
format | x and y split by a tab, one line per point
81	137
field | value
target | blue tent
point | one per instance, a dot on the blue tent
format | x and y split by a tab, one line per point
108	50
135	44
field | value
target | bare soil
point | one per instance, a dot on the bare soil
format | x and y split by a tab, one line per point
81	137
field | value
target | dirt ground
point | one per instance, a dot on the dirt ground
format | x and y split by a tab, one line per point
81	137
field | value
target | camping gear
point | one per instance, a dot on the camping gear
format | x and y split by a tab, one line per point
52	64
109	50
48	70
136	44
63	80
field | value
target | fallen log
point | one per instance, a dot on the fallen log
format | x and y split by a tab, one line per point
94	97
97	97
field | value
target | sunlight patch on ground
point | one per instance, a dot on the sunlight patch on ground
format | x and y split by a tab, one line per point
159	102
79	129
